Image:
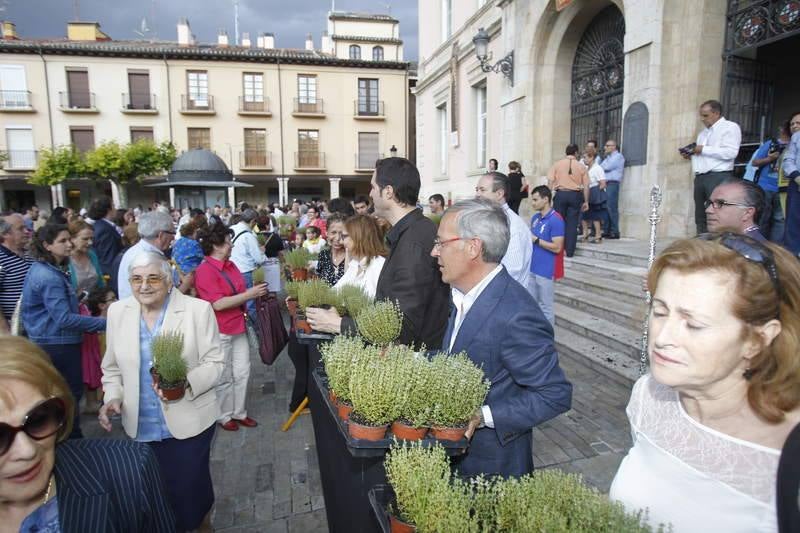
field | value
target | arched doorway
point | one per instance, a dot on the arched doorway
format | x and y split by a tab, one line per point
598	74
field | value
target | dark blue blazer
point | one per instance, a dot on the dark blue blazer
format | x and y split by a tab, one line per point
106	243
110	485
507	335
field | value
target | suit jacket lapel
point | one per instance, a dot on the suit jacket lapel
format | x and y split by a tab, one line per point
480	311
173	319
451	322
130	335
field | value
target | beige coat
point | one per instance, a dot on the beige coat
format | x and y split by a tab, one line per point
201	350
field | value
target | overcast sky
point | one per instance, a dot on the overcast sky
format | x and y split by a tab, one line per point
289	20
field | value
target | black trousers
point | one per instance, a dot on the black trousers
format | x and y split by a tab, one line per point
704	184
568	205
298	353
67	360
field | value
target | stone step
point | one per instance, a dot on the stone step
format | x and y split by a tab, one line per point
616	337
597	357
612	309
621	291
607	253
606	269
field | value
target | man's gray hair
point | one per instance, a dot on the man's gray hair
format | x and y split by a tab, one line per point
481	218
5	226
154	222
500	181
144	259
249	215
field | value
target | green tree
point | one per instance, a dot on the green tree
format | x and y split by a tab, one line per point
57	165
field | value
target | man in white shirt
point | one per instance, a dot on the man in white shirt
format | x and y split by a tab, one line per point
247	254
501	328
712	158
517	259
157	232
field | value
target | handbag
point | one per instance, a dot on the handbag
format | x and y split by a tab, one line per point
597	197
272	333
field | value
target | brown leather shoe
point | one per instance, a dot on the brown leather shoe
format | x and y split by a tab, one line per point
246	422
230	425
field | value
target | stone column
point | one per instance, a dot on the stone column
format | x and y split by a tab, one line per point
334	186
56	196
232	196
283	190
171	197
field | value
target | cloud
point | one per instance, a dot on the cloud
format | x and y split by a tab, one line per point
290	21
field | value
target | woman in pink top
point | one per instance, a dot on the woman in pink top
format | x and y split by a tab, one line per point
219	282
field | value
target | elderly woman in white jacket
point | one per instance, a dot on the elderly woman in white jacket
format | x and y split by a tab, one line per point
179	432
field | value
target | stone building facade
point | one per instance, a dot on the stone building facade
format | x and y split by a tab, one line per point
632	70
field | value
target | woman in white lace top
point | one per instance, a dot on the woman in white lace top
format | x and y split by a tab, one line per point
709	421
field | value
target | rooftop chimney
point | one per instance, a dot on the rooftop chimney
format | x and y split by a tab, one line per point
185	37
246	40
325	43
309	42
85	31
269	41
9	30
222	38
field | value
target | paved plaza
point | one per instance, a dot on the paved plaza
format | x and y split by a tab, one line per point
268	481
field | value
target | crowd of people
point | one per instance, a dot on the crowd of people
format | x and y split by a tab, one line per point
709	420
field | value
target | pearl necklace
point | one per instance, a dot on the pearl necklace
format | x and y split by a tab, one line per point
47	493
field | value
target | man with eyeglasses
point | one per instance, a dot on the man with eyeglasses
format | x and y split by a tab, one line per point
735	205
613	164
157	232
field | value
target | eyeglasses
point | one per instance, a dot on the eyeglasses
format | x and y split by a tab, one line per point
719	203
152	279
42	421
750	249
438	243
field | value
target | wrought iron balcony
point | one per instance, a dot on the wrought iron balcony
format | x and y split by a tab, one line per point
20	160
139	102
15	101
314	108
247	107
255	160
77	102
308	160
365	161
197	105
368	109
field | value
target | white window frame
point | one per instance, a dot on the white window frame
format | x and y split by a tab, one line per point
444	137
480	126
14	101
307	88
253	84
20	161
197	84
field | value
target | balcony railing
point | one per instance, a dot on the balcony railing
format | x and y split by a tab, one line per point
365	161
255	160
15	101
309	160
368	108
139	102
21	160
309	108
70	101
197	104
259	107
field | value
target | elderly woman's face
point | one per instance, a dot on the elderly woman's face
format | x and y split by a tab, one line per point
335	231
695	340
149	285
25	468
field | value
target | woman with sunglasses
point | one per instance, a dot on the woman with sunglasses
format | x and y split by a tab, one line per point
48	483
49	309
723	392
178	432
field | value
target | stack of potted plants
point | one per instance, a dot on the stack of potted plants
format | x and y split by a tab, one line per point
428	497
297	262
169	367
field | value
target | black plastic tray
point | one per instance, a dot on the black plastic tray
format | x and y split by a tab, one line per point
314	337
380	497
378	448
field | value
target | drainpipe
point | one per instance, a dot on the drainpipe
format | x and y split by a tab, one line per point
169	98
280	113
56	191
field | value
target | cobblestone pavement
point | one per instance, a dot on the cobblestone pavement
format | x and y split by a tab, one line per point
268	481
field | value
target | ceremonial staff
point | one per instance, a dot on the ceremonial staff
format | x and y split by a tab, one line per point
654	219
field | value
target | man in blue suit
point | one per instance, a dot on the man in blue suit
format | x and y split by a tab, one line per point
501	328
107	243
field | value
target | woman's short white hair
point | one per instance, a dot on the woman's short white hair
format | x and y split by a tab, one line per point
150	258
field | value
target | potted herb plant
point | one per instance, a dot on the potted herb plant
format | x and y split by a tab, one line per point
297	261
457	392
292	288
339	357
411	407
380	322
312	293
169	366
351	299
371	395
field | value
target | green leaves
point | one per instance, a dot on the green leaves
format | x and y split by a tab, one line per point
315	293
457	389
297	258
168	361
380	323
58	165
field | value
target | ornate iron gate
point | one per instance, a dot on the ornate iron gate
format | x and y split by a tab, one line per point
598	75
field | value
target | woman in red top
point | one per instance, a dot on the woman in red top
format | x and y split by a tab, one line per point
315	220
219	282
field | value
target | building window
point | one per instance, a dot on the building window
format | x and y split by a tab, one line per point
442	112
377	53
199	138
255	147
78	89
308	148
141	133
253	91
139	90
307	89
447	19
368	150
82	138
21	152
480	126
13	88
368	97
355	51
197	87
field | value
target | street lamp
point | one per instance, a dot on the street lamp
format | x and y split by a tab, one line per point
393	151
504	66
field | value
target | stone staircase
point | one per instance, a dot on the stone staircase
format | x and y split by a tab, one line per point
600	307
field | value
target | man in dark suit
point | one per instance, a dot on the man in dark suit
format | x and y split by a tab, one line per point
107	242
501	328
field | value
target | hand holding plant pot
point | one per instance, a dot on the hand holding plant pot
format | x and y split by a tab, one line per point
315	294
169	368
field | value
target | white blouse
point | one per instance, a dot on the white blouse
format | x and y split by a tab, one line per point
363	275
690	475
596	175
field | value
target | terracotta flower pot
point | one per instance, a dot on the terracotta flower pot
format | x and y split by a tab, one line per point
301	324
372	433
405	432
453	434
299	274
398	526
343	410
332	396
173	392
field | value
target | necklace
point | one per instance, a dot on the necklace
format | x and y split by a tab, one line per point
47	492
